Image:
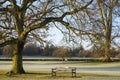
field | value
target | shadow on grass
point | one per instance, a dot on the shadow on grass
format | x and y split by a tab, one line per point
66	77
49	75
38	73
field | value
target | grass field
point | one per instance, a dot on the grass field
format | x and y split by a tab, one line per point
92	71
46	75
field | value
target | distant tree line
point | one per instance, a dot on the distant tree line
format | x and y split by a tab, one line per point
60	51
0	51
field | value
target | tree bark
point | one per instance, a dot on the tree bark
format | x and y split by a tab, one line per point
17	67
107	45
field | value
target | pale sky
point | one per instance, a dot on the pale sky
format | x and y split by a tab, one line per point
56	35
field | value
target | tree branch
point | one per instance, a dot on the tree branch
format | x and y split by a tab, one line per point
13	2
25	3
11	41
53	19
59	19
3	2
6	27
77	9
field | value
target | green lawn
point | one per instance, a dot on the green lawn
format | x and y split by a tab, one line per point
46	75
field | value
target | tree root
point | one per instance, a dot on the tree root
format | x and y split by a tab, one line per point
107	59
10	73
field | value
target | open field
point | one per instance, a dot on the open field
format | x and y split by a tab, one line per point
41	70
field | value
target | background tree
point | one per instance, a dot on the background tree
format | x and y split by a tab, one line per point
61	52
31	49
48	50
98	25
76	51
1	51
19	17
8	50
97	53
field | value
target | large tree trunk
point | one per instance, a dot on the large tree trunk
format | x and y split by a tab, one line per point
107	45
17	59
106	13
107	53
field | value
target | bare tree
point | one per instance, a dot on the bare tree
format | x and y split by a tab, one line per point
61	52
19	17
98	24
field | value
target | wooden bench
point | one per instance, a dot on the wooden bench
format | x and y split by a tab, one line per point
64	69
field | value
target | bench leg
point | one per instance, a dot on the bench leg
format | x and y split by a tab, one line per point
53	72
73	72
